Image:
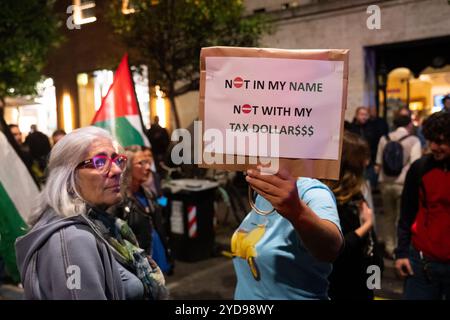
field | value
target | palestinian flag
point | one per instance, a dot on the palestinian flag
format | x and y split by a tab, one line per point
18	193
119	112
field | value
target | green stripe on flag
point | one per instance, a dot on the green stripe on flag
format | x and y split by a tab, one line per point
123	131
11	227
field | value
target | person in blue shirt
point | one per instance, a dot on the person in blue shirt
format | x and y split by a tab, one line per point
287	254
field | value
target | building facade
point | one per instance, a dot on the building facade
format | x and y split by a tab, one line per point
399	55
382	36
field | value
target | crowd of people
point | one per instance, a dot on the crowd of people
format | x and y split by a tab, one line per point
98	210
318	239
35	149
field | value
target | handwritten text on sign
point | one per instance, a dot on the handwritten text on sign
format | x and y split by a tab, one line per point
298	100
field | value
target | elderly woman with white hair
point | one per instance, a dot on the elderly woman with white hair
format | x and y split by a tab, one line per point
75	249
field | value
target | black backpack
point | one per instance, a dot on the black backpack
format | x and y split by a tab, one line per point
393	157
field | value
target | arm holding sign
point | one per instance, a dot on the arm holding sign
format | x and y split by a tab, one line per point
321	237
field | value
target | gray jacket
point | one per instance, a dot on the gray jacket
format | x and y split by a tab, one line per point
56	251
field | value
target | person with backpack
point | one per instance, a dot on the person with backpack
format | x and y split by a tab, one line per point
396	151
423	251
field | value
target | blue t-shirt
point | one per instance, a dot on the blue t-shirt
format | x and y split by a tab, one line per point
271	261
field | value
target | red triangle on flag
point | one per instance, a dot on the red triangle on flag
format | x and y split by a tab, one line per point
120	100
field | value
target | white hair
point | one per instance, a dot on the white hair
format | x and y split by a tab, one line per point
60	191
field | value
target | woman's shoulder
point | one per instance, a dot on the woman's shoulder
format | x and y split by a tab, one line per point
78	244
79	233
309	184
55	228
67	238
51	225
72	238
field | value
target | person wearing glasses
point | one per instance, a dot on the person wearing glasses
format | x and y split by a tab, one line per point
140	209
75	249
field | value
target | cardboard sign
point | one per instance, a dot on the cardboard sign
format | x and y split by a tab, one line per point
285	105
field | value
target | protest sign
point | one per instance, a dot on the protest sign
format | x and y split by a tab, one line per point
259	105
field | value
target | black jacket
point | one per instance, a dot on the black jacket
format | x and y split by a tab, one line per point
415	188
143	219
371	131
349	276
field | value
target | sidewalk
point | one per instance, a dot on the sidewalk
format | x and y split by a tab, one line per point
391	286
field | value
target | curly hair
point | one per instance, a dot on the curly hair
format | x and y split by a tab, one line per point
436	127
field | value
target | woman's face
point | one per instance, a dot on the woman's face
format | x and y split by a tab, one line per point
97	188
141	167
149	155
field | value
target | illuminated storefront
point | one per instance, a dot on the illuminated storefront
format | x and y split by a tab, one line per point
422	95
39	110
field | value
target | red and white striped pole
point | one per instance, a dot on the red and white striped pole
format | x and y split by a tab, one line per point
192	221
